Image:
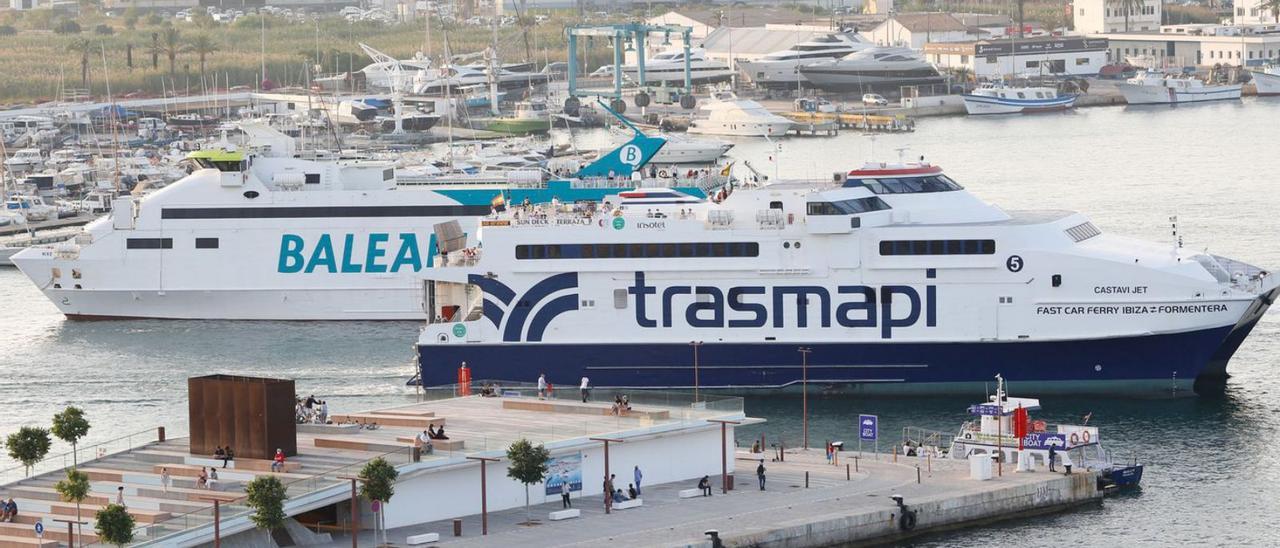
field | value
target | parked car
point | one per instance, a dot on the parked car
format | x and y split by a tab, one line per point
874	100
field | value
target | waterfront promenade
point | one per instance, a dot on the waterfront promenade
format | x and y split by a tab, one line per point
831	510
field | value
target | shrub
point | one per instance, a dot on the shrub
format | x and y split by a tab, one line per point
114	525
7	30
67	26
104	30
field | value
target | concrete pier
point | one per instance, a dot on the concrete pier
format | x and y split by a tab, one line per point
807	503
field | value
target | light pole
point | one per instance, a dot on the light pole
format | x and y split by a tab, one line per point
804	383
695	345
484	492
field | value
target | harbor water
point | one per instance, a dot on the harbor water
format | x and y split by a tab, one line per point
1211	461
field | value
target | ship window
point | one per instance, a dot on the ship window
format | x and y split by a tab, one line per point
775	205
908	185
206	243
937	247
847	207
388	174
637	251
312	179
149	243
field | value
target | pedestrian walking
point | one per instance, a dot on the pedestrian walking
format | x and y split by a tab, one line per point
165	479
585	387
564	492
638	476
542	386
760	474
120	495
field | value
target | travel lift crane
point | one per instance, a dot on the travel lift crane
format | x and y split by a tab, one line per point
397	71
630	34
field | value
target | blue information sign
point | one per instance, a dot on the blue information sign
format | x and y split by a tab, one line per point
1044	440
868	427
39	529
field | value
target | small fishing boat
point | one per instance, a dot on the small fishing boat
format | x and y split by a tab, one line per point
1267	80
1004	430
1001	98
1155	88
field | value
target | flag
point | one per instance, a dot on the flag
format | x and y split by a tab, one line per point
499	202
727	168
1087	417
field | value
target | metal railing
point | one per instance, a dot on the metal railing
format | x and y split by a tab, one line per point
81	455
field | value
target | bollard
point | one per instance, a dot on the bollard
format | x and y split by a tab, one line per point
847	475
917	473
160	433
457	527
895	453
855	463
928	460
415	454
806	479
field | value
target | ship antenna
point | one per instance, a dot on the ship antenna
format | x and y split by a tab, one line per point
1177	239
901	154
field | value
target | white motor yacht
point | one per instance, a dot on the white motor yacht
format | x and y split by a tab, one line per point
669	66
781	69
25	159
729	115
872	68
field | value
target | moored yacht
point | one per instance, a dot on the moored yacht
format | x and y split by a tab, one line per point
896	278
726	114
1001	98
1267	80
872	69
669	66
781	69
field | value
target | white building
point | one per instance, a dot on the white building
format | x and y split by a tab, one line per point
1192	45
1070	56
1107	16
1252	12
914	30
19	5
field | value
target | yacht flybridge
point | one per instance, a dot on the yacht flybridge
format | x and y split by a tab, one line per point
896	277
781	69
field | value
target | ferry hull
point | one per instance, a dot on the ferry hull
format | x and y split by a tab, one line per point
1160	95
223	304
1158	364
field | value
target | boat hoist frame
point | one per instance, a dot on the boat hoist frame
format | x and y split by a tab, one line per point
632	35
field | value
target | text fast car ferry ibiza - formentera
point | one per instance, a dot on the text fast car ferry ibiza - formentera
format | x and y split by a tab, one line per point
895	279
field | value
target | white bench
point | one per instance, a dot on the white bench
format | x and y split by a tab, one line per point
633	503
564	514
690	493
422	539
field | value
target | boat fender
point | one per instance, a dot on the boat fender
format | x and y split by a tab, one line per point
1075	438
663	174
907	521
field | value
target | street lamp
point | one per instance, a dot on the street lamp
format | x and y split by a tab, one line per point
695	345
804	383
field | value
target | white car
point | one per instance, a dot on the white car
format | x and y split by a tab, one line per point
874	99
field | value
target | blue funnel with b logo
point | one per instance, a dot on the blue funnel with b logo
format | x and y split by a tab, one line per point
626	159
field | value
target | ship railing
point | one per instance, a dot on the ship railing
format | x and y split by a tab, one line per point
770	219
82	455
920	437
1241	275
462	257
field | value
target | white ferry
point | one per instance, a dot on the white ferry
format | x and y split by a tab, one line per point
894	276
264	234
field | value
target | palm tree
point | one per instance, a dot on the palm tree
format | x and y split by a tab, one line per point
1274	6
1130	7
202	45
84	47
171	45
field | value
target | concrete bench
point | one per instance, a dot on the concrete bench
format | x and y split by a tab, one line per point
404	421
141	515
633	503
358	444
564	514
551	406
690	493
424	538
440	445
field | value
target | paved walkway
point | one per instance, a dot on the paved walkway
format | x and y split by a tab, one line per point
667	520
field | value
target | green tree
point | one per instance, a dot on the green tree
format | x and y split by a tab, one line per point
8	30
70	425
131	17
114	525
75	488
528	466
104	30
379	481
29	445
266	497
202	45
1274	6
154	20
67	26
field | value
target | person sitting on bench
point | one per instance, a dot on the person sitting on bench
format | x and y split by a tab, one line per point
438	434
619	496
705	485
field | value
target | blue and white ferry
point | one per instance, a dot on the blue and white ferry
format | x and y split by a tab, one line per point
265	234
894	277
999	98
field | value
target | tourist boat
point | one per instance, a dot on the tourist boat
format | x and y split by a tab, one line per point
897	278
1004	430
726	114
1157	88
1001	98
261	232
870	69
1267	80
669	67
781	69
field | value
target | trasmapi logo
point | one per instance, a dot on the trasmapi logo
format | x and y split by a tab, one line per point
510	313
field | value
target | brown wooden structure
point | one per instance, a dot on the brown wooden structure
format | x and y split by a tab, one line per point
253	415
